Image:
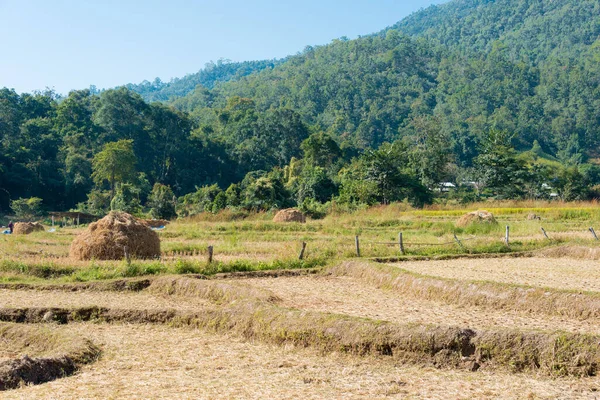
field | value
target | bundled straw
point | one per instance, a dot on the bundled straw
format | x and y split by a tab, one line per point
476	217
113	235
289	215
25	228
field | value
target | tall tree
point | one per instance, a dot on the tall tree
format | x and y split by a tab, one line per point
115	164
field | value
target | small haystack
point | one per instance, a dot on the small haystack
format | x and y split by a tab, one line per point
533	217
476	217
156	223
25	228
108	238
289	215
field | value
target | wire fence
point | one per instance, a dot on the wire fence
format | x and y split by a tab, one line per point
400	243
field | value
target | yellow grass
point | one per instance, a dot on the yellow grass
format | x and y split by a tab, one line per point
161	362
344	295
121	300
559	273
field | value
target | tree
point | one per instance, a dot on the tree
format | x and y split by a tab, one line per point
27	208
500	170
377	177
320	149
127	199
115	164
161	202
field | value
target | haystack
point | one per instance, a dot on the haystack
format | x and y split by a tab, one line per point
476	217
25	228
156	223
289	215
108	238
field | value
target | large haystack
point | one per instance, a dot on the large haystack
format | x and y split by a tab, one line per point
25	228
289	215
476	217
108	238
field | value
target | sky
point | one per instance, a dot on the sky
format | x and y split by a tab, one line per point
72	44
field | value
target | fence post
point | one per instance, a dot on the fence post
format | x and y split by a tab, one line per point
210	254
458	241
301	256
545	234
507	237
356	241
594	233
401	243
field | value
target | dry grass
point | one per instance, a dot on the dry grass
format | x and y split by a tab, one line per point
289	215
476	217
161	362
122	300
40	354
348	296
113	236
25	228
558	273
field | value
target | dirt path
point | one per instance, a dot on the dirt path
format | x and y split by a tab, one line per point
559	273
345	295
161	362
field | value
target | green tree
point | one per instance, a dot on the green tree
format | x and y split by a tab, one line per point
127	199
502	172
115	164
27	208
162	202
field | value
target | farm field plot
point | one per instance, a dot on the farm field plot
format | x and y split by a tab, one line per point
558	273
344	295
119	300
349	327
142	361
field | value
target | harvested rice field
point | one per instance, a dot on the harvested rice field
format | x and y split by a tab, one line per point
557	273
118	300
143	361
344	295
465	322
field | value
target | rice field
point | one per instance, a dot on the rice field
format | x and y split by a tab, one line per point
144	361
478	319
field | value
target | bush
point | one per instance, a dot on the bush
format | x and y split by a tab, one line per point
30	208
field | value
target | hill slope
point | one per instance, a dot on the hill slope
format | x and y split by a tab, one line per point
221	71
527	66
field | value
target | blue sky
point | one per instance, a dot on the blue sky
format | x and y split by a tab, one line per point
71	44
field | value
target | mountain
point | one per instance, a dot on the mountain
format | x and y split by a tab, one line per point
221	71
532	30
527	66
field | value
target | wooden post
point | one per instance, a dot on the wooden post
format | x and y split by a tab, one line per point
594	233
77	219
210	254
545	234
127	257
458	241
53	221
507	237
301	256
401	243
356	241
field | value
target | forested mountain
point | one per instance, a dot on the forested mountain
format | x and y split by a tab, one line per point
221	71
502	93
530	30
528	66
